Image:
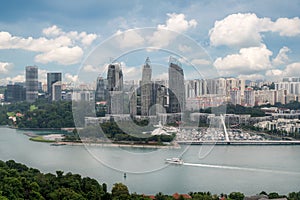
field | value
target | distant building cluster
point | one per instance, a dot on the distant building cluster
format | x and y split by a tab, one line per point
145	99
214	92
32	89
148	97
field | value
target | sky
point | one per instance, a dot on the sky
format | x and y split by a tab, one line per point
252	40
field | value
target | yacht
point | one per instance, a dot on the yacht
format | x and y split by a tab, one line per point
176	161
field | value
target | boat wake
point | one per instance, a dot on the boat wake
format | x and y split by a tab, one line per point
240	168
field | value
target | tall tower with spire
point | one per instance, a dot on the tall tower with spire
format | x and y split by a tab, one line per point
146	88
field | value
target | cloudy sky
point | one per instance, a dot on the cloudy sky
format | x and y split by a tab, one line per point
256	39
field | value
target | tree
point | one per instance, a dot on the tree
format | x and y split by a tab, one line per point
119	190
236	196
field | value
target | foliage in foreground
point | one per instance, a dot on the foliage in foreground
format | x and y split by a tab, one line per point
17	181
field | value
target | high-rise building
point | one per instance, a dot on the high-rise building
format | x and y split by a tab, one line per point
52	77
235	96
31	83
146	88
14	93
176	87
100	94
115	100
249	96
56	91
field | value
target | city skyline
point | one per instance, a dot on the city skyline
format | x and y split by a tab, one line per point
263	43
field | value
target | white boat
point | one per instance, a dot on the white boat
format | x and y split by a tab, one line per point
176	161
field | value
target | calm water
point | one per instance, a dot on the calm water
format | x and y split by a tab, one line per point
249	169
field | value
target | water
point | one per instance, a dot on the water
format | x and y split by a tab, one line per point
218	169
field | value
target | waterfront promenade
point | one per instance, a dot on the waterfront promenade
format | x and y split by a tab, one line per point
253	142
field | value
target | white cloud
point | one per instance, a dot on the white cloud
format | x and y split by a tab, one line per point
42	73
5	67
71	78
252	77
244	30
52	31
248	60
87	39
287	27
175	22
292	69
90	68
62	47
130	38
131	72
7	41
61	55
184	48
18	78
281	57
83	37
200	62
274	73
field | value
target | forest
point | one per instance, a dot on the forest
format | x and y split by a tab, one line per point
18	181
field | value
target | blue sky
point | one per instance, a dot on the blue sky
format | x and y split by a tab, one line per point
247	39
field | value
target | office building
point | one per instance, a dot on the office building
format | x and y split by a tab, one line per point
52	78
176	87
146	88
56	91
115	100
235	96
100	94
14	93
31	83
249	96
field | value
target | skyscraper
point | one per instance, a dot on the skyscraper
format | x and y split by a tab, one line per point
14	93
235	96
249	97
146	88
100	94
176	87
115	100
56	91
52	78
31	83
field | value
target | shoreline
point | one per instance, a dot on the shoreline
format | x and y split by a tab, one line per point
118	145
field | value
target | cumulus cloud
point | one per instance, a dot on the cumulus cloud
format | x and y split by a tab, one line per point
175	22
57	46
61	55
18	78
282	57
130	38
244	29
71	78
287	27
5	67
292	69
52	31
252	77
131	72
83	37
248	60
91	68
